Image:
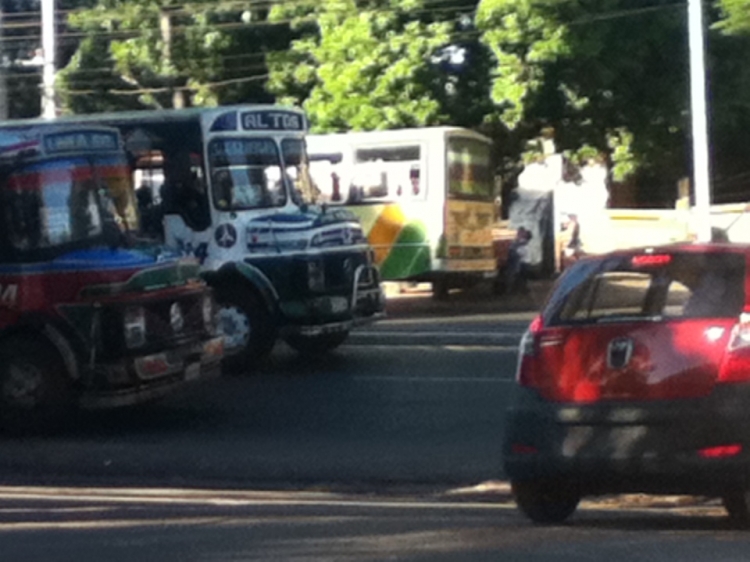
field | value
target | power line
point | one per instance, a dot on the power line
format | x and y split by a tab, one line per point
132	33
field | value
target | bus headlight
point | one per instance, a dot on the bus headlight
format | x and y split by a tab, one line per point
316	277
134	324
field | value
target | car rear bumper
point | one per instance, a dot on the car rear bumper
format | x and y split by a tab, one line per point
665	447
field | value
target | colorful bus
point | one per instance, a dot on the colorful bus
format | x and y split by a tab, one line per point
425	197
231	186
88	316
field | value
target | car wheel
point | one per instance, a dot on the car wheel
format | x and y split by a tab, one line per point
545	501
248	328
35	392
737	504
316	345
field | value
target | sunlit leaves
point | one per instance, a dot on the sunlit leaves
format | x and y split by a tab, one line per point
736	16
361	67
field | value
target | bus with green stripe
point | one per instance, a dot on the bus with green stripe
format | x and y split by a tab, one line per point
425	197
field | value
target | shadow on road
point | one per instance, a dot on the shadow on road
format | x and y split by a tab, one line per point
479	299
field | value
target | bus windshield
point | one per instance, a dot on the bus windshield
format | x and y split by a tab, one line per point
246	173
66	200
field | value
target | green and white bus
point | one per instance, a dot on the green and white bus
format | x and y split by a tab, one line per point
425	197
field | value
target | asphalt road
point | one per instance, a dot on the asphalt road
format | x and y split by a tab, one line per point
386	450
89	524
416	400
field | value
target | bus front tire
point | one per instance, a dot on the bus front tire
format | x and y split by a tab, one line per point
249	330
35	391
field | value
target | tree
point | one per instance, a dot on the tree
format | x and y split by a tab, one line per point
379	64
165	53
608	79
730	100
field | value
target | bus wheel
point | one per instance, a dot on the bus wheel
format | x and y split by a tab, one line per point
249	331
440	289
316	345
35	392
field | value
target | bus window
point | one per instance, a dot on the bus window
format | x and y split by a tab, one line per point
297	172
469	171
326	175
387	173
246	174
54	203
184	189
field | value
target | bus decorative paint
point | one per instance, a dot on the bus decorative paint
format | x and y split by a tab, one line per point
424	197
85	319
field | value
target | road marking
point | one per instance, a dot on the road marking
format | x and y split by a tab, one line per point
525	317
411	334
221	498
489	347
382	378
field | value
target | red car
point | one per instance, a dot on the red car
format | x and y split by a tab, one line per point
635	378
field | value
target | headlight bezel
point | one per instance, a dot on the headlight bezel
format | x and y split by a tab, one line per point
134	326
209	313
316	276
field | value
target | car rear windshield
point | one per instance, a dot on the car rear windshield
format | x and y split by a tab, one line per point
649	286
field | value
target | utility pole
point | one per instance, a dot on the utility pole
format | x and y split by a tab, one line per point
165	26
48	70
3	72
701	165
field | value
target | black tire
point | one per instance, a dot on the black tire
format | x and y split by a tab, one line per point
545	501
737	504
246	322
440	290
316	345
36	393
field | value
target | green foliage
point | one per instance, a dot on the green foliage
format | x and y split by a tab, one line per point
362	65
735	16
608	76
148	51
523	38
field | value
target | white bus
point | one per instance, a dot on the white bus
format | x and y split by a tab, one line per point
235	192
425	197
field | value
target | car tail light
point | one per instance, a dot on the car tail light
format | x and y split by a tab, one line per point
736	364
721	451
523	449
527	351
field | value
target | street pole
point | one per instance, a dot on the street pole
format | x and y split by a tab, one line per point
48	69
701	174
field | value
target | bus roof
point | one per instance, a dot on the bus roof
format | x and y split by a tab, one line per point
47	137
155	115
399	135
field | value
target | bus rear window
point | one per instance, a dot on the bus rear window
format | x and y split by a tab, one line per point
387	173
469	169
